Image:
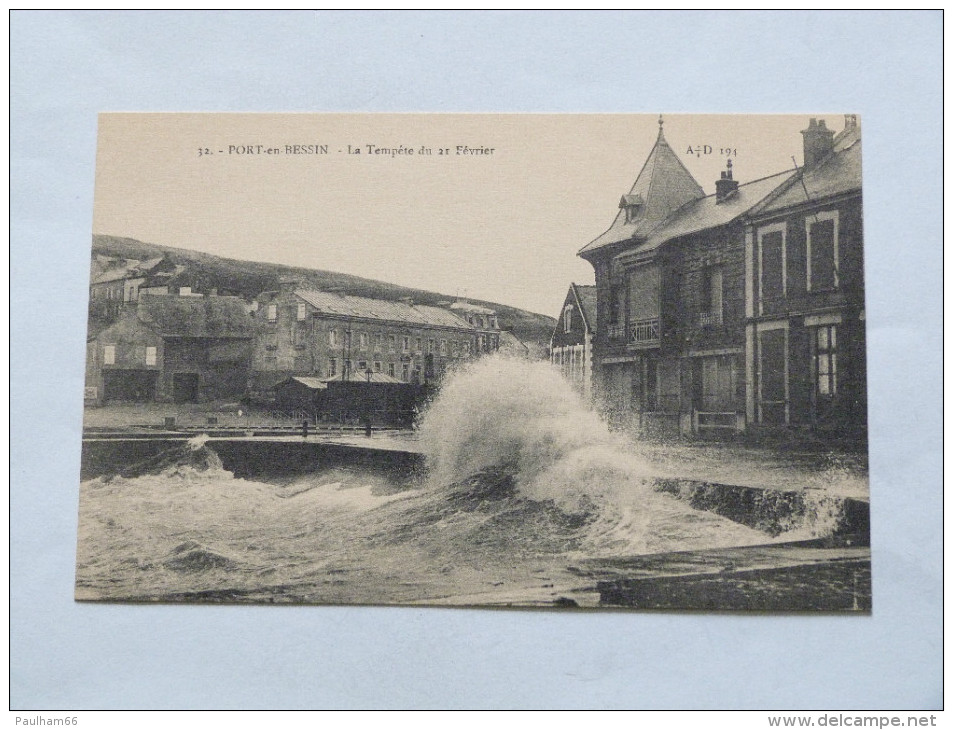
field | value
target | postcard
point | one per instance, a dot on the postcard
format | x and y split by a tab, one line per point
514	360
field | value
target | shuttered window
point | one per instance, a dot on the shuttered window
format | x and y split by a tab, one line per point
822	251
772	265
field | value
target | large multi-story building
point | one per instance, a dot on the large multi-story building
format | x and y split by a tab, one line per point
329	335
675	349
804	283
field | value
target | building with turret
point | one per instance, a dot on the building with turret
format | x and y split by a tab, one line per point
681	303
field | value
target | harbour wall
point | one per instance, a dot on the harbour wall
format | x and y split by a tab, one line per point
252	458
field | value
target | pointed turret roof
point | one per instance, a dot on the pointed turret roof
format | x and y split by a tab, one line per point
663	186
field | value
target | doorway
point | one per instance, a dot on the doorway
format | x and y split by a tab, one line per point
185	387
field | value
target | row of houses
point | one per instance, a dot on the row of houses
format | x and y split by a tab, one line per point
287	347
735	311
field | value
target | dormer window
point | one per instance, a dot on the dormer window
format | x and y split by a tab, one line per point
632	205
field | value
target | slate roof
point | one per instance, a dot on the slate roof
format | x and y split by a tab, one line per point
586	296
195	317
664	185
312	383
361	377
836	174
707	212
382	310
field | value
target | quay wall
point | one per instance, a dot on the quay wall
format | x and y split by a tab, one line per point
251	459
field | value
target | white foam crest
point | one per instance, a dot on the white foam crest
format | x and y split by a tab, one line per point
507	412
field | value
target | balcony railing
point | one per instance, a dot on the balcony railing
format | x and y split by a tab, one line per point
710	319
640	332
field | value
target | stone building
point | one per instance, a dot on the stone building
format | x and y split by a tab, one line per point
172	349
804	282
115	282
484	320
327	334
688	338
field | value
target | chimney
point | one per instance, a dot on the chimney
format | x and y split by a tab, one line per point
726	187
287	284
818	142
850	122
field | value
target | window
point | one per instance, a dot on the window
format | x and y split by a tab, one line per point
466	348
302	311
567	318
616	304
150	356
406	344
405	372
347	370
333	337
109	355
390	369
332	367
773	376
377	366
822	253
378	343
772	263
443	347
825	361
272	312
362	340
392	343
418	347
431	346
347	339
362	366
711	296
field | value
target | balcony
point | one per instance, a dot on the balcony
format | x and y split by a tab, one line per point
710	319
642	332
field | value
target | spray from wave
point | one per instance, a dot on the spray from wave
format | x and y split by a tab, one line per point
523	480
524	417
524	420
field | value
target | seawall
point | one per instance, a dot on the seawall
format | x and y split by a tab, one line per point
251	458
771	511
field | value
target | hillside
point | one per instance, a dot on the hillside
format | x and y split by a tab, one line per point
249	278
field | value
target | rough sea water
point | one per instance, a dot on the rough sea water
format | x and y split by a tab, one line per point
524	481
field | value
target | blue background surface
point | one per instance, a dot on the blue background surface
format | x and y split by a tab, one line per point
68	66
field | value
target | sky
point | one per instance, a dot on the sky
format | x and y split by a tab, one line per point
502	224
